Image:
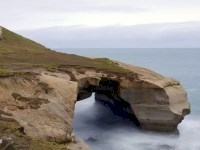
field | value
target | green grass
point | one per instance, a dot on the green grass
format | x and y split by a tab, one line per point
15	43
16	50
6	72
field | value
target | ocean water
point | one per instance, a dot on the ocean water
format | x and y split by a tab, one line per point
102	130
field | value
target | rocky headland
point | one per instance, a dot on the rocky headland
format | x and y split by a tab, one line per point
39	88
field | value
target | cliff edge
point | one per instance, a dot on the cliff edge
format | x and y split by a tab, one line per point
39	88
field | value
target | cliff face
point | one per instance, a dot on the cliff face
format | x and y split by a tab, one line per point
37	100
160	104
157	102
43	104
40	107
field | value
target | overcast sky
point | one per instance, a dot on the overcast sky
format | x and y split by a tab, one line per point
152	23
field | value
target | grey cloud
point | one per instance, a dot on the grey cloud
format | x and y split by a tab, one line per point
18	14
153	35
70	6
33	14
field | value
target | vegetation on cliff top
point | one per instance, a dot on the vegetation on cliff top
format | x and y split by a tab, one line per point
20	51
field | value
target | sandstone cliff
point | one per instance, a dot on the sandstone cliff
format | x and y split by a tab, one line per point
37	101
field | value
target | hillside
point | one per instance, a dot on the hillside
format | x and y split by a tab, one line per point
20	51
40	87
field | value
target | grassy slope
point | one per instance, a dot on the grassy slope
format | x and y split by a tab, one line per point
17	50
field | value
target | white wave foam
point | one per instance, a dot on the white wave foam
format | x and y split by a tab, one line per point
121	135
192	90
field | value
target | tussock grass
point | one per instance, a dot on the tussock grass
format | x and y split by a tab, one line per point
6	72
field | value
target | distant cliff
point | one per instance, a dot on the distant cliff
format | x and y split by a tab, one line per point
39	88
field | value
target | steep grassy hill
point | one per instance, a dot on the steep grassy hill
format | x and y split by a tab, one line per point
17	50
19	55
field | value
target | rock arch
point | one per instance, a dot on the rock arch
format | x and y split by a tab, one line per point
44	104
156	103
107	91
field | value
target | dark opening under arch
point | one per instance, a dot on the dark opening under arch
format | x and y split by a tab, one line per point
107	93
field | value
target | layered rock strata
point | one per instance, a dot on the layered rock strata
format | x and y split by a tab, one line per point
43	104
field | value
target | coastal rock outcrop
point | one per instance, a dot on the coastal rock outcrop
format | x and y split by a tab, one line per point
43	103
157	103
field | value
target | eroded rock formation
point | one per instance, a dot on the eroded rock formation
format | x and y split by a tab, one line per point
43	104
158	103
